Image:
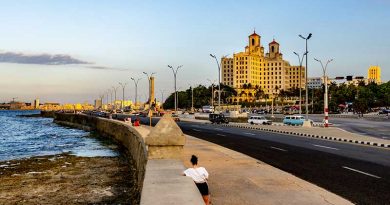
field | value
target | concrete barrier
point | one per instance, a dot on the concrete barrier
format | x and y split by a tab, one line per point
155	153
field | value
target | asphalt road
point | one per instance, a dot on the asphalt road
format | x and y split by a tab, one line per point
379	129
358	173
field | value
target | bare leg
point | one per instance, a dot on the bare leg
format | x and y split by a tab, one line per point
206	199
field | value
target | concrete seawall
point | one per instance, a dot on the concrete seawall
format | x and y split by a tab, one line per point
125	135
155	153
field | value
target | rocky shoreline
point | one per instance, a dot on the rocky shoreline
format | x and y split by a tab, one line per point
68	179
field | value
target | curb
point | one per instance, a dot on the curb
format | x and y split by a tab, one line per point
310	135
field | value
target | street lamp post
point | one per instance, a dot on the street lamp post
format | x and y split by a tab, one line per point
123	85
162	98
219	81
212	91
101	100
110	97
175	75
136	89
107	99
300	60
307	93
115	89
147	75
192	97
326	123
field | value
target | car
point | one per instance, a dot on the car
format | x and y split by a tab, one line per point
261	120
384	112
218	118
293	120
175	117
208	109
261	112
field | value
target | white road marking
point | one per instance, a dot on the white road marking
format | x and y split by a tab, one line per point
248	133
361	172
280	149
196	130
221	135
325	147
218	129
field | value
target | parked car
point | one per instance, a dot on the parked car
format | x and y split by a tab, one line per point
293	120
260	120
218	118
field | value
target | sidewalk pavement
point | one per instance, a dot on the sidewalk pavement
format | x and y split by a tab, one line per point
239	179
330	133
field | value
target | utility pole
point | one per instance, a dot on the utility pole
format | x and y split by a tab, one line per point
136	89
219	81
300	60
307	93
326	123
175	75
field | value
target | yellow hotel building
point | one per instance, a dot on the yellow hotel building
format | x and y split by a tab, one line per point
374	74
269	71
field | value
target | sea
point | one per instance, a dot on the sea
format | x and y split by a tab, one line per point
25	137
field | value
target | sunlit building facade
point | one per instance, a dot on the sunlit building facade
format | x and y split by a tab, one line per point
374	74
253	70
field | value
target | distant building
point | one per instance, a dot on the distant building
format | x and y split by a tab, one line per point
252	70
374	74
315	82
51	106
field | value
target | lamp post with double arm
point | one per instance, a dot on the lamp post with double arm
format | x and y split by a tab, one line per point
136	89
307	93
115	89
326	120
300	80
123	85
174	76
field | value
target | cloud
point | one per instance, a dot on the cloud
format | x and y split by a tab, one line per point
106	68
41	59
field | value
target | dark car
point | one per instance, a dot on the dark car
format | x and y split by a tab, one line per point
218	118
384	112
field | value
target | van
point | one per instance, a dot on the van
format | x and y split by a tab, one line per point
293	120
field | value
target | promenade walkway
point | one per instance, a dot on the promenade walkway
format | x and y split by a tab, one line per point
239	179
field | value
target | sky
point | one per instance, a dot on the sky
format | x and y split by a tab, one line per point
73	51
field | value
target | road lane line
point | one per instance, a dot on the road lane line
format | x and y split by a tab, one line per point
277	148
218	129
361	172
196	130
316	145
248	133
221	135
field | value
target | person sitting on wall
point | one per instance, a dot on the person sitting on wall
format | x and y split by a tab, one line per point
200	177
137	122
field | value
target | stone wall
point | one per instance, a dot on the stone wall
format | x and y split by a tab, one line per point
155	153
131	138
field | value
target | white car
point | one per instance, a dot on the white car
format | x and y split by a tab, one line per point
261	120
